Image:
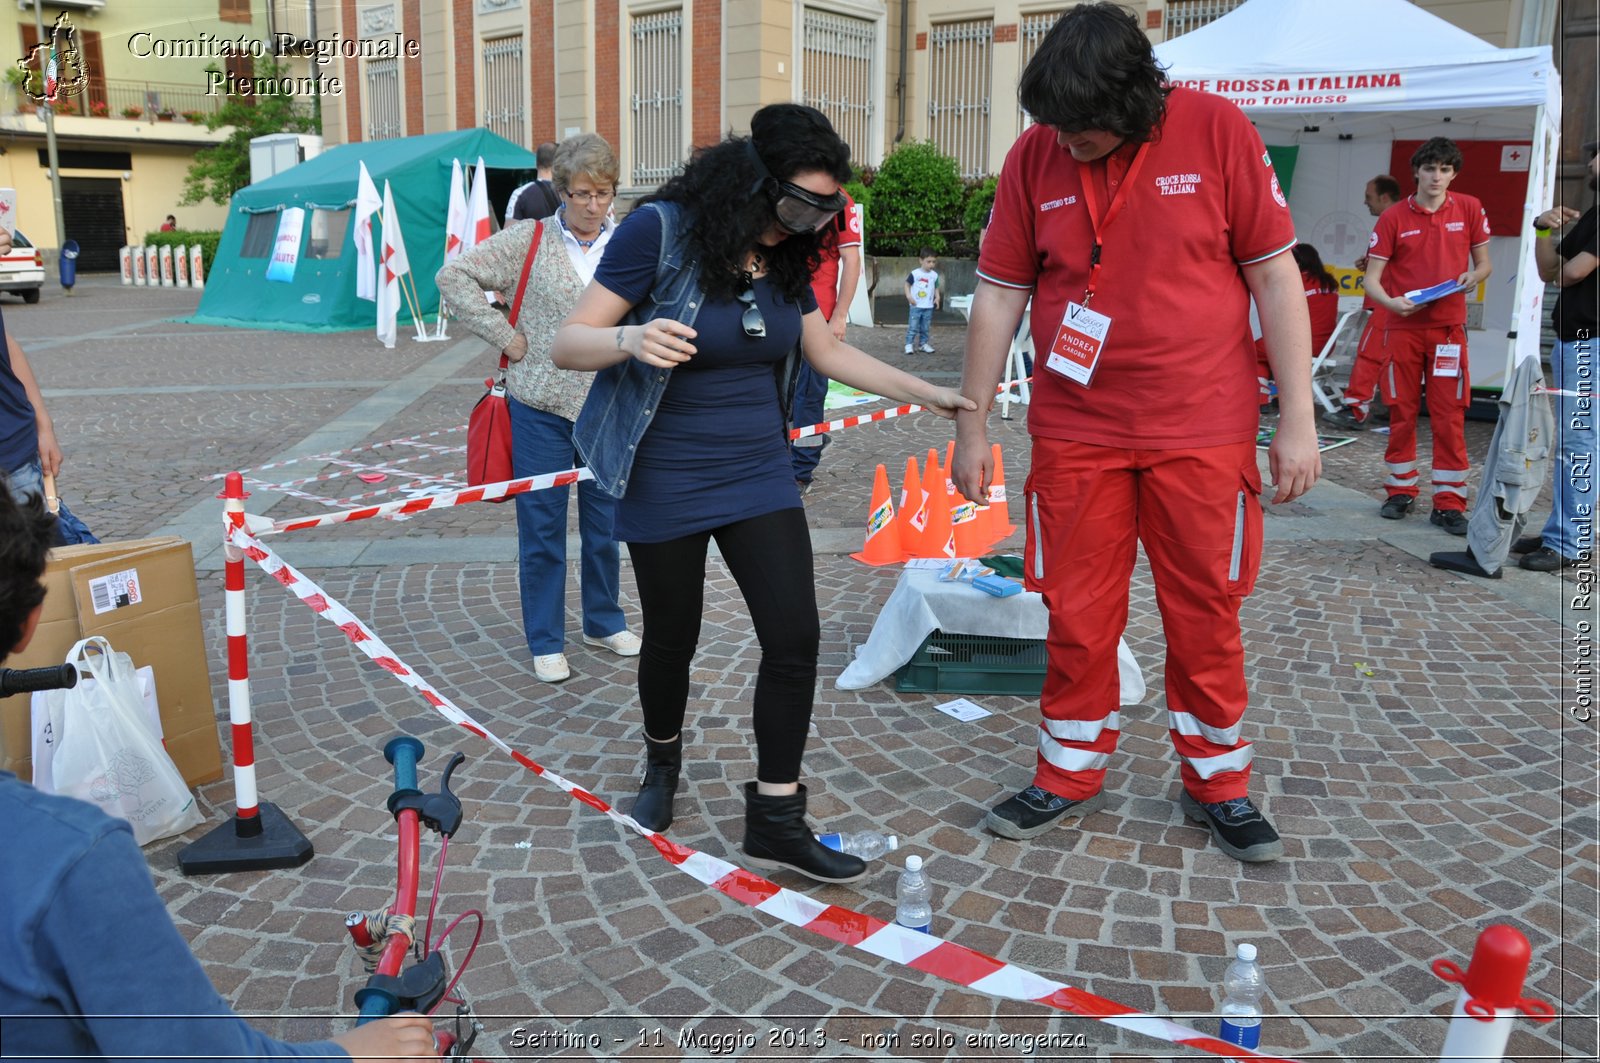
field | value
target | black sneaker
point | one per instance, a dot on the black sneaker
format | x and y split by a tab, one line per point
1527	544
1036	810
1451	520
1344	417
1237	826
1546	559
1397	507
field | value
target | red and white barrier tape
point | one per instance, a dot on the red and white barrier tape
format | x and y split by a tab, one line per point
868	418
351	468
341	453
408	506
928	953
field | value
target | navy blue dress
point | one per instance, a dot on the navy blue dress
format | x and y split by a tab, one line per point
717	450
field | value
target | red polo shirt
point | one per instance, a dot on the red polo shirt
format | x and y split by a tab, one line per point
1178	368
843	231
1422	248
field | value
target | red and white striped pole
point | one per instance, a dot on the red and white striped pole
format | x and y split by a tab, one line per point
244	746
260	836
1491	996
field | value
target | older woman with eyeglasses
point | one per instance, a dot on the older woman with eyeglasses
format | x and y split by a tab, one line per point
544	400
692	321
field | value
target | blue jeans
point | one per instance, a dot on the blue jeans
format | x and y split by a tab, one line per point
25	480
810	398
1570	529
542	443
917	326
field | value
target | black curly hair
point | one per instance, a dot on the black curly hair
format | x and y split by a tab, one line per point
25	534
1095	70
722	190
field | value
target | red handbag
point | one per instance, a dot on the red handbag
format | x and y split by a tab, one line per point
489	426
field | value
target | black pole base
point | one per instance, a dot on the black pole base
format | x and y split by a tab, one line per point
263	843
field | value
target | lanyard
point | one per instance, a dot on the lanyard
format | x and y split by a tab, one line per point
1114	209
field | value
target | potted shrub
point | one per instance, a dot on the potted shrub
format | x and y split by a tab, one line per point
133	112
194	117
99	108
65	105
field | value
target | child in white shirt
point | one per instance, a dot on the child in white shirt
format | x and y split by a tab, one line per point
925	293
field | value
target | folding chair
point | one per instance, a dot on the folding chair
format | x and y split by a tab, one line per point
1345	335
1017	361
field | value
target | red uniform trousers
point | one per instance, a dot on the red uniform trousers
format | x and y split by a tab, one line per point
1198	514
1410	354
1368	368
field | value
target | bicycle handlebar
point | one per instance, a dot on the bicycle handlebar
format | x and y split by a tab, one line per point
25	680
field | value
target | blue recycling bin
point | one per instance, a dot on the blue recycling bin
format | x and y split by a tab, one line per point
69	264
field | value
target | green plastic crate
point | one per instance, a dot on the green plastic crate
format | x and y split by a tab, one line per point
974	664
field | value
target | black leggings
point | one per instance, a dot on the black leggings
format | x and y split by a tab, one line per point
770	558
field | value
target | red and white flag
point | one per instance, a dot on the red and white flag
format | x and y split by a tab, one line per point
478	223
367	202
455	225
392	265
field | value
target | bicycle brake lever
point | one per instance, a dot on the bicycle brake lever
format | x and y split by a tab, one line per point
442	811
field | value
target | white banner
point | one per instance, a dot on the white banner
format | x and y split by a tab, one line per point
286	247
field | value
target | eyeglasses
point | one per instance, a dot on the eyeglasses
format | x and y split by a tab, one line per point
587	198
800	210
751	320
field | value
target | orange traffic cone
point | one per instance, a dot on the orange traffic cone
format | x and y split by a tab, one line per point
936	538
912	517
882	545
967	529
997	519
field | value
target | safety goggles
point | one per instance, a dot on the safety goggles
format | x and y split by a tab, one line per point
800	211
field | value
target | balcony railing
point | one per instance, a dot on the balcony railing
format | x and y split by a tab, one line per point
152	100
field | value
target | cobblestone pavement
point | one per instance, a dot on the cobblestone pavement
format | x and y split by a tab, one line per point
1416	734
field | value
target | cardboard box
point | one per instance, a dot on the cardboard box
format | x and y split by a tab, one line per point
141	596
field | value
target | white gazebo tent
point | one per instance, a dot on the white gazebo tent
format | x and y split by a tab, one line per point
1343	81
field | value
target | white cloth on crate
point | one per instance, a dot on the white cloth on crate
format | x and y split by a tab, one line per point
921	604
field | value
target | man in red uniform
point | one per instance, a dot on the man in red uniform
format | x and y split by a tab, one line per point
834	285
1430	238
1382	193
1144	410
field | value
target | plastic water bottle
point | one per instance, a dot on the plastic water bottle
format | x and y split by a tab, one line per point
867	844
914	898
1242	986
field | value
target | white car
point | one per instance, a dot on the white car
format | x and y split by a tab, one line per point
22	269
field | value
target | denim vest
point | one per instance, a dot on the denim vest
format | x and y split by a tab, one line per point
623	399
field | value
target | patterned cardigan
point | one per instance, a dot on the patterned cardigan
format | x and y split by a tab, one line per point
553	290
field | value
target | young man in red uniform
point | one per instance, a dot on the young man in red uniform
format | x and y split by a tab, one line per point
1431	237
1144	410
834	285
1382	193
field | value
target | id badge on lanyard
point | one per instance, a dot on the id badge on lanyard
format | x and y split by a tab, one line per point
1075	353
1447	359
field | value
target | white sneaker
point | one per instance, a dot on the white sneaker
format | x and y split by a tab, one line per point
551	668
624	643
909	349
927	348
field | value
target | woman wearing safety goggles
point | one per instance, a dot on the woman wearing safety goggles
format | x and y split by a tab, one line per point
701	301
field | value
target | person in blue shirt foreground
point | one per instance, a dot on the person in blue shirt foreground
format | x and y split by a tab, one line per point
692	321
93	965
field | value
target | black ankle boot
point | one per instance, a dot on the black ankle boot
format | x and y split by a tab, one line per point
662	761
776	835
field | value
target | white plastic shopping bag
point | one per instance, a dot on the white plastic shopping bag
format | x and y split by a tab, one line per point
106	752
44	744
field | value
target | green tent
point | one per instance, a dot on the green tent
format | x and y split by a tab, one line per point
321	297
